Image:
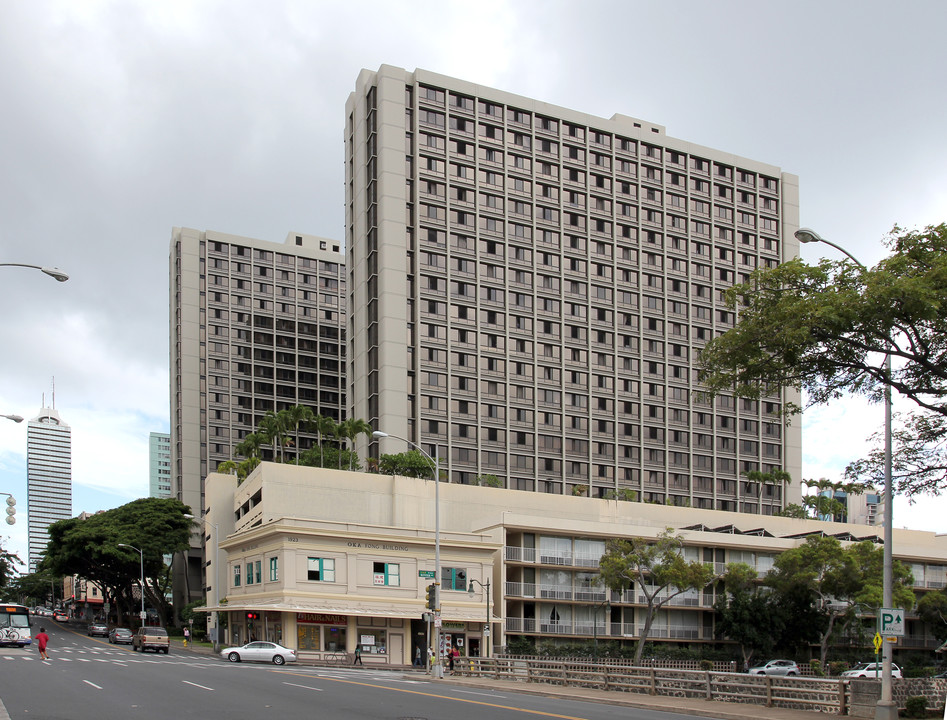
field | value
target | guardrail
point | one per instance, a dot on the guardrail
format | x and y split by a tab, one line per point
815	694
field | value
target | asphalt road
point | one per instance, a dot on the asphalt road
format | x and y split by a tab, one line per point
88	679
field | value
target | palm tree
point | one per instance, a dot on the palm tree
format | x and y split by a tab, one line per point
350	429
273	429
323	427
249	447
292	417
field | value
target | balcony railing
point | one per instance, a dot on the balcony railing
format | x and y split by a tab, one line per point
520	554
601	629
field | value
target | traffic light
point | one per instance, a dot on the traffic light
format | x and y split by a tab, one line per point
431	603
253	616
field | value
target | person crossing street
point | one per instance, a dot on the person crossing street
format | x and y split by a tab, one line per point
42	640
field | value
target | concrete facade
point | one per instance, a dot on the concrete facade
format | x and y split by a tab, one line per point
539	552
531	286
48	478
256	326
159	465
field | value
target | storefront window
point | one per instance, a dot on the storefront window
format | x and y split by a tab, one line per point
334	639
372	641
308	637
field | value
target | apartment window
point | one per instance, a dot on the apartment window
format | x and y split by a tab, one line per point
321	569
454	579
236	576
274	569
386	574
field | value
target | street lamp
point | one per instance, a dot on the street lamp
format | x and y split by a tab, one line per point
486	628
439	668
216	586
14	418
886	709
141	558
54	273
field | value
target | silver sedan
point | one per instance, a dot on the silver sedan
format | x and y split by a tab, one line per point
259	651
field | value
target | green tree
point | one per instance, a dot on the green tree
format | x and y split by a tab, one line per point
90	548
349	430
489	480
294	417
657	568
825	328
274	428
324	427
407	464
839	580
745	615
31	589
8	563
932	609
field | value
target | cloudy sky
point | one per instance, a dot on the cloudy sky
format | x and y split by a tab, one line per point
122	120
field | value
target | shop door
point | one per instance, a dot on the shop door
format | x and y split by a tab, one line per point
396	649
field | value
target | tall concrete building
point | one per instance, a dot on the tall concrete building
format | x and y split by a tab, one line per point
256	326
530	288
48	477
159	465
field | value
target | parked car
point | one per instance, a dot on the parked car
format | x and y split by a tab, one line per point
151	638
60	616
121	636
776	667
870	670
97	629
259	651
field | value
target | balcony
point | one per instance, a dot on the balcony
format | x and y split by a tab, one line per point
520	554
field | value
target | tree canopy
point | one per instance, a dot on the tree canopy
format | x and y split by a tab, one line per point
826	328
840	579
658	568
90	548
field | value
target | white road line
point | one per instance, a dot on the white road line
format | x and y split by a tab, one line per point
84	660
304	687
471	692
97	687
202	687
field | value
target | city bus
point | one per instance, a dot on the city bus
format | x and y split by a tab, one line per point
15	625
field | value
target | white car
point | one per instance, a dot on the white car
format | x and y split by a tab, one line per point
776	667
259	651
870	670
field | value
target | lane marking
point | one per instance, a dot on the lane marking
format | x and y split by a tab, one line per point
304	687
471	692
97	687
202	687
444	697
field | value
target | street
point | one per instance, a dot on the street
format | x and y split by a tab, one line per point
88	679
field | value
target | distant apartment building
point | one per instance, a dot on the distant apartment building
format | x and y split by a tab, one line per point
49	478
256	326
530	287
159	465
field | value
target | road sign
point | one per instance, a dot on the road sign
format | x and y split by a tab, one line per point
892	622
426	573
437	621
877	642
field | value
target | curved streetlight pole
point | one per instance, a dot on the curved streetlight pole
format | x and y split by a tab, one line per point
141	558
14	418
886	709
487	627
54	273
438	666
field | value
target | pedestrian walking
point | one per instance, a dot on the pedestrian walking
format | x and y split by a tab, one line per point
358	656
187	636
42	639
450	659
417	657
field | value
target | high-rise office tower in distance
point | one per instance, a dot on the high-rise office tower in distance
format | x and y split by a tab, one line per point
159	465
256	326
530	287
48	478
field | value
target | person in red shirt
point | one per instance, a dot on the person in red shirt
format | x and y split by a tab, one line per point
41	641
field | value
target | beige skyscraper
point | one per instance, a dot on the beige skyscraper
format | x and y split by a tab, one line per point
256	326
530	288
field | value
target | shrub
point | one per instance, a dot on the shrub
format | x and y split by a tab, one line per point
837	667
816	667
707	665
916	706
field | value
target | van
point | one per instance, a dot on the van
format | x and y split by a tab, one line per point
151	638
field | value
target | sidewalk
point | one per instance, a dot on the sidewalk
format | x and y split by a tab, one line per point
659	703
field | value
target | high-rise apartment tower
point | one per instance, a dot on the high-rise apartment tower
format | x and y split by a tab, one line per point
159	465
530	287
48	477
256	326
